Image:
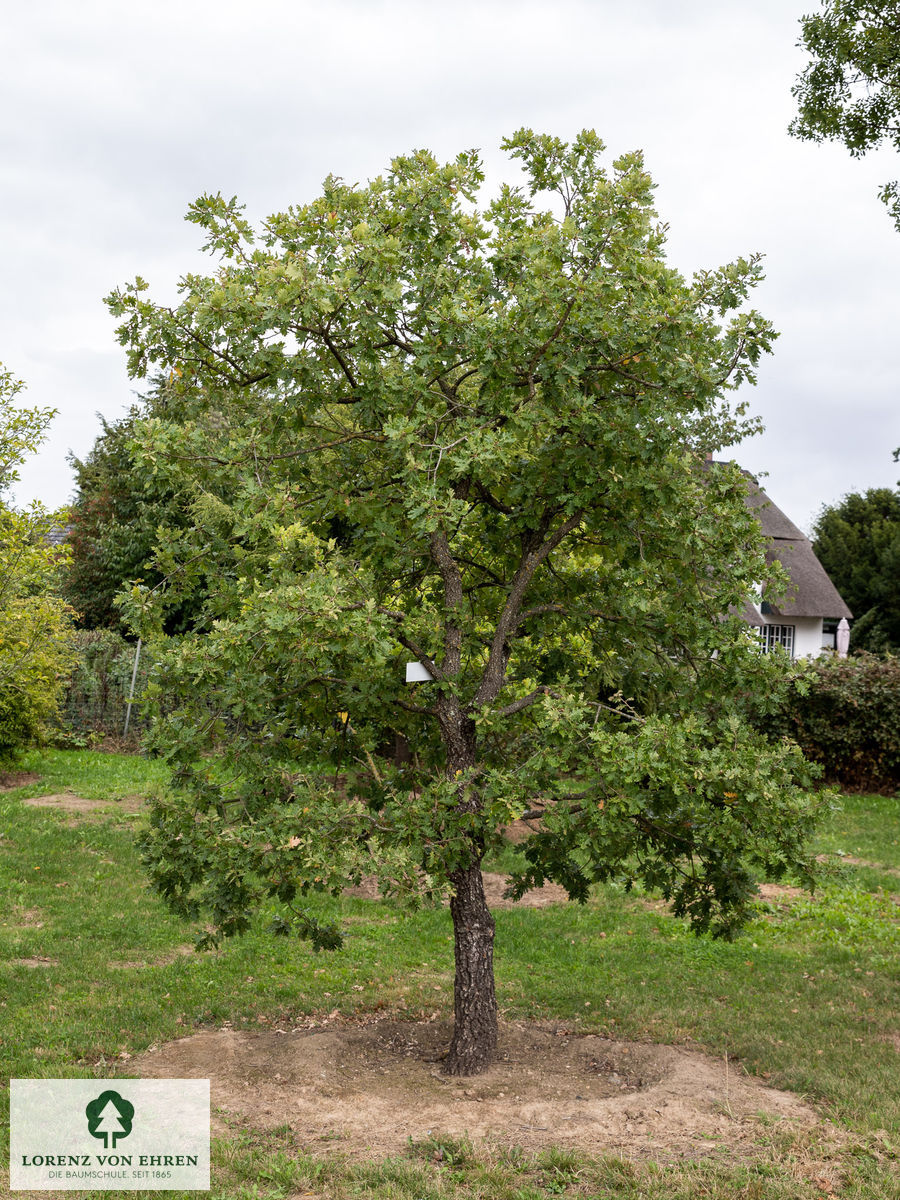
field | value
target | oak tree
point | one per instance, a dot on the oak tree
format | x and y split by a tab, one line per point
474	439
850	90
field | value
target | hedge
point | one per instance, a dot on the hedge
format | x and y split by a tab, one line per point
845	715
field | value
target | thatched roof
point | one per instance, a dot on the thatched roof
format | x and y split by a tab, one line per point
749	614
811	592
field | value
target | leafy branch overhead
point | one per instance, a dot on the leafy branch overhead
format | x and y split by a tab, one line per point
413	428
850	90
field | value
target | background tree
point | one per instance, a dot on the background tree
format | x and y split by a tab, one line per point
113	525
858	543
850	92
413	429
34	623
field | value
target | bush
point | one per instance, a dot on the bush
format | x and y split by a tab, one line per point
35	636
845	715
35	624
20	722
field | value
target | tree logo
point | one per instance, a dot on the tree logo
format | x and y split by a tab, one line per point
109	1116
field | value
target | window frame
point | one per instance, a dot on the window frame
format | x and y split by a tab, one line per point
772	634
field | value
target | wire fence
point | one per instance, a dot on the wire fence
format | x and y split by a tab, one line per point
97	698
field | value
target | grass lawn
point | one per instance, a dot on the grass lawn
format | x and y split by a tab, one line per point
806	999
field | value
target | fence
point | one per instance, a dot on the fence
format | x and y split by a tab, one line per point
97	697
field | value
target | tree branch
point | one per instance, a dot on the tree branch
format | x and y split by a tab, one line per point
492	679
402	638
453	596
348	374
525	701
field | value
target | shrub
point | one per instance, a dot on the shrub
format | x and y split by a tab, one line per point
35	625
20	722
845	715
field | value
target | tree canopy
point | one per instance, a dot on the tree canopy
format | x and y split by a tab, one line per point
857	541
472	438
35	650
850	91
113	525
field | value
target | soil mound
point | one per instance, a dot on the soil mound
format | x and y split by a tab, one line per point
369	1088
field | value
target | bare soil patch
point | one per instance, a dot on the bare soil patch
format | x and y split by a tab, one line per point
520	831
367	1088
780	891
10	780
865	862
37	961
22	918
66	802
162	961
495	885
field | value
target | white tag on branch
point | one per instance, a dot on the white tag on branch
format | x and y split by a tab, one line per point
417	672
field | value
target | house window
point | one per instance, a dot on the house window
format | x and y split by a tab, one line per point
778	635
829	635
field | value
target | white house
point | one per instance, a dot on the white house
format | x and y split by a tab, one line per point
806	618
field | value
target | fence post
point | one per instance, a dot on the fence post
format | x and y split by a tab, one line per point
137	655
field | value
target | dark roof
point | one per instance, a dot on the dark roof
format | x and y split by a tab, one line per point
57	535
773	521
811	593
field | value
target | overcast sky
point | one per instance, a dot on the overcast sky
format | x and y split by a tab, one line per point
115	116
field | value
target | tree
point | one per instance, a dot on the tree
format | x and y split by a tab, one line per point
850	91
35	647
113	525
857	541
475	440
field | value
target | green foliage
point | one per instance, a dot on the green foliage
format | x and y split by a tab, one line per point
850	91
691	808
34	623
113	526
845	715
412	429
857	541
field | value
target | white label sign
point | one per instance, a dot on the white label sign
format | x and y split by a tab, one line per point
417	672
108	1134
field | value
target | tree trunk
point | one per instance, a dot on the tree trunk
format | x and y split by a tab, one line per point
475	1003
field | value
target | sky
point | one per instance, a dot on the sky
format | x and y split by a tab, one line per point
114	117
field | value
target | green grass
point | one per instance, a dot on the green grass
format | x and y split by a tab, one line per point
867	827
89	773
806	999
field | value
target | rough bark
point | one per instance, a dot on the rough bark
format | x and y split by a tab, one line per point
474	1041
